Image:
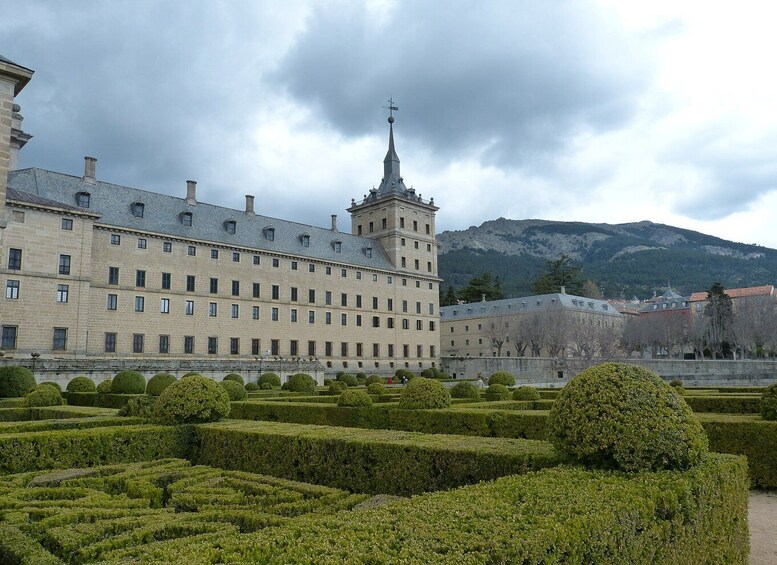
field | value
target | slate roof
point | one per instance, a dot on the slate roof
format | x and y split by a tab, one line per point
27	198
162	215
527	304
766	290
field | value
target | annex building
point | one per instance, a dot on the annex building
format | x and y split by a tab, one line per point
95	269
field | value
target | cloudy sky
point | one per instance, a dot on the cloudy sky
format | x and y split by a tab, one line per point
584	111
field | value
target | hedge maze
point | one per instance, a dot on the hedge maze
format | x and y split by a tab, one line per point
293	477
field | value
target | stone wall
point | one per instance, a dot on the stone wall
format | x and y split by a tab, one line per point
544	371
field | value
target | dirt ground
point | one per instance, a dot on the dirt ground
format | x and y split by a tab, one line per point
762	514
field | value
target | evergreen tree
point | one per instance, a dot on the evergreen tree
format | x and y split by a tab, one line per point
719	317
558	273
479	286
449	298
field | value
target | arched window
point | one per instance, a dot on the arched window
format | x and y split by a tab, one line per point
82	199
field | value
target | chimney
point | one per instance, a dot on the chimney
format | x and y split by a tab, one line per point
563	290
90	166
249	205
18	138
483	297
191	192
334	222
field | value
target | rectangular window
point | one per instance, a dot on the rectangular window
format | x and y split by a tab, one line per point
311	296
311	317
60	339
312	348
344	349
189	283
293	347
293	313
374	302
415	244
276	262
359	349
404	282
415	225
390	323
214	253
255	347
372	227
275	347
328	298
432	351
256	289
236	257
214	285
192	250
431	308
213	309
190	307
417	307
311	268
140	278
276	292
343	273
137	343
140	304
419	350
167	247
432	325
328	318
166	281
343	319
8	340
416	264
67	224
390	304
328	270
113	301
358	300
405	324
404	305
359	320
235	310
115	239
405	350
234	346
376	350
213	345
62	292
188	344
255	312
429	266
15	259
401	222
404	262
359	273
293	291
327	348
376	321
12	290
110	343
64	264
391	350
383	223
164	306
274	315
235	288
343	299
257	260
419	324
142	243
293	265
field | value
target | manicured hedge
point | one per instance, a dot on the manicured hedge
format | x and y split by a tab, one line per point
66	424
97	399
329	414
374	461
724	404
30	451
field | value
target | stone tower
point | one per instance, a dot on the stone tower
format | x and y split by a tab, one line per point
398	218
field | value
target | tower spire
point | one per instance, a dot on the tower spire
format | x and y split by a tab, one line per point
392	179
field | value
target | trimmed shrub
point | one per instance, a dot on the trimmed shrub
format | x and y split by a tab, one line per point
349	380
128	382
423	393
464	390
252	387
43	395
265	386
81	384
52	383
373	379
337	387
271	378
191	374
502	378
676	383
399	373
105	386
234	377
497	392
235	390
15	381
526	393
625	417
376	388
141	406
769	403
355	399
443	376
428	373
191	401
159	383
361	375
300	382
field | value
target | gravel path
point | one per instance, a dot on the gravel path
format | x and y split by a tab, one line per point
762	514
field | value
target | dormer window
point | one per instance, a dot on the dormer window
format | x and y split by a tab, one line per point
230	226
186	218
338	246
269	233
137	209
305	239
368	252
82	199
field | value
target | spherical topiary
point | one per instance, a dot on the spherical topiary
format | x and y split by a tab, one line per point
339	374
354	398
399	373
424	393
526	393
234	377
502	378
769	403
265	386
81	384
625	417
443	376
497	392
336	387
300	382
128	382
361	375
191	374
235	390
52	383
192	400
464	390
15	381
252	387
428	373
376	388
159	383
410	375
43	395
373	379
349	380
140	406
676	383
271	378
105	386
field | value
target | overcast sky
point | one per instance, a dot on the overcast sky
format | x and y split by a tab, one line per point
583	111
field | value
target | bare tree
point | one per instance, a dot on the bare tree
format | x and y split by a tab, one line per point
583	336
497	332
556	326
609	340
519	334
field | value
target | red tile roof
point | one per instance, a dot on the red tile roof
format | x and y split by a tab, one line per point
767	290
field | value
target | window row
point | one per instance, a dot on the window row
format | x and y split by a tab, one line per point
384	225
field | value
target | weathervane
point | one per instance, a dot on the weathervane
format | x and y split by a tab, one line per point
391	108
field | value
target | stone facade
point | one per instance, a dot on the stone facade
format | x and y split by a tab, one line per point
113	272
